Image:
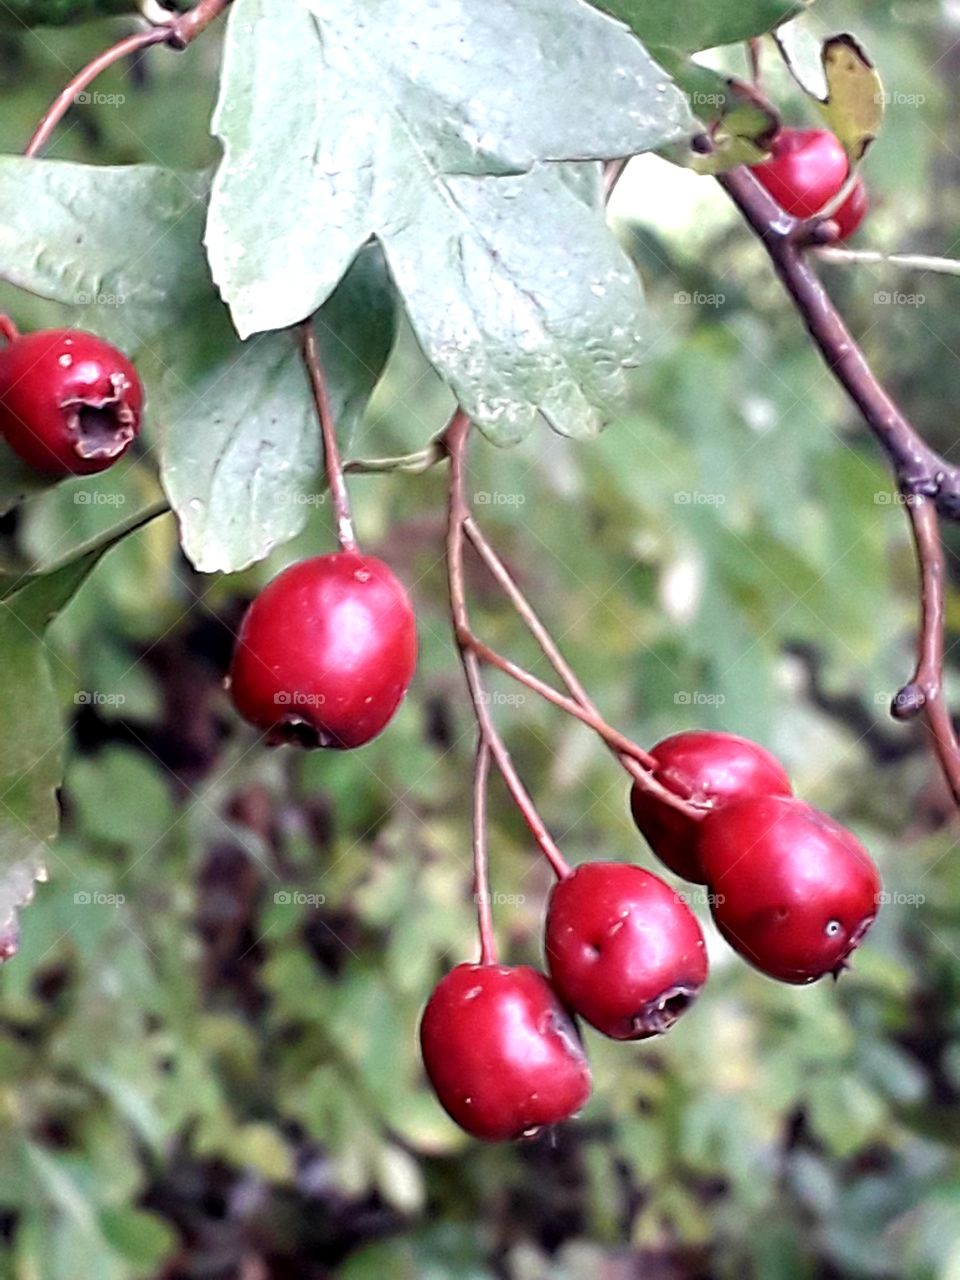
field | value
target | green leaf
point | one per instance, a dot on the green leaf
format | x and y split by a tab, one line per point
143	1238
239	443
700	24
246	480
740	121
120	245
30	756
838	74
357	120
514	329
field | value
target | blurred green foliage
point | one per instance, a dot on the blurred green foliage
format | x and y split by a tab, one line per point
208	1064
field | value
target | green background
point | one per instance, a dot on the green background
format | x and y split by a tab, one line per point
207	1071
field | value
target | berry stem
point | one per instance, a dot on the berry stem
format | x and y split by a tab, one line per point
455	442
177	34
930	485
755	58
481	876
331	451
638	763
8	330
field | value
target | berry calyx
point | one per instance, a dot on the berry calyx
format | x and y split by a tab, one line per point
70	403
794	891
502	1054
325	652
709	769
624	951
806	169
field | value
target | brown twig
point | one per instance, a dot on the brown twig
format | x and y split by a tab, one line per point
176	34
929	485
331	450
455	442
481	877
918	467
923	695
185	29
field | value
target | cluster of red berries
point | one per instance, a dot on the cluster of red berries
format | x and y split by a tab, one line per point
806	169
70	403
790	889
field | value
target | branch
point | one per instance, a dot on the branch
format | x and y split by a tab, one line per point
924	693
929	484
919	469
331	450
177	34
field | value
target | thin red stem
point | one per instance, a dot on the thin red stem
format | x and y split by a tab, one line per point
638	763
455	440
331	450
8	330
83	79
177	34
481	877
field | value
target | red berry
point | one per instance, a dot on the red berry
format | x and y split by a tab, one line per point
502	1053
70	403
806	169
325	652
710	769
624	951
794	891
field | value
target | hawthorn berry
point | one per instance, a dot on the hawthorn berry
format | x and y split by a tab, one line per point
70	403
325	652
806	169
709	769
503	1055
793	891
624	951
